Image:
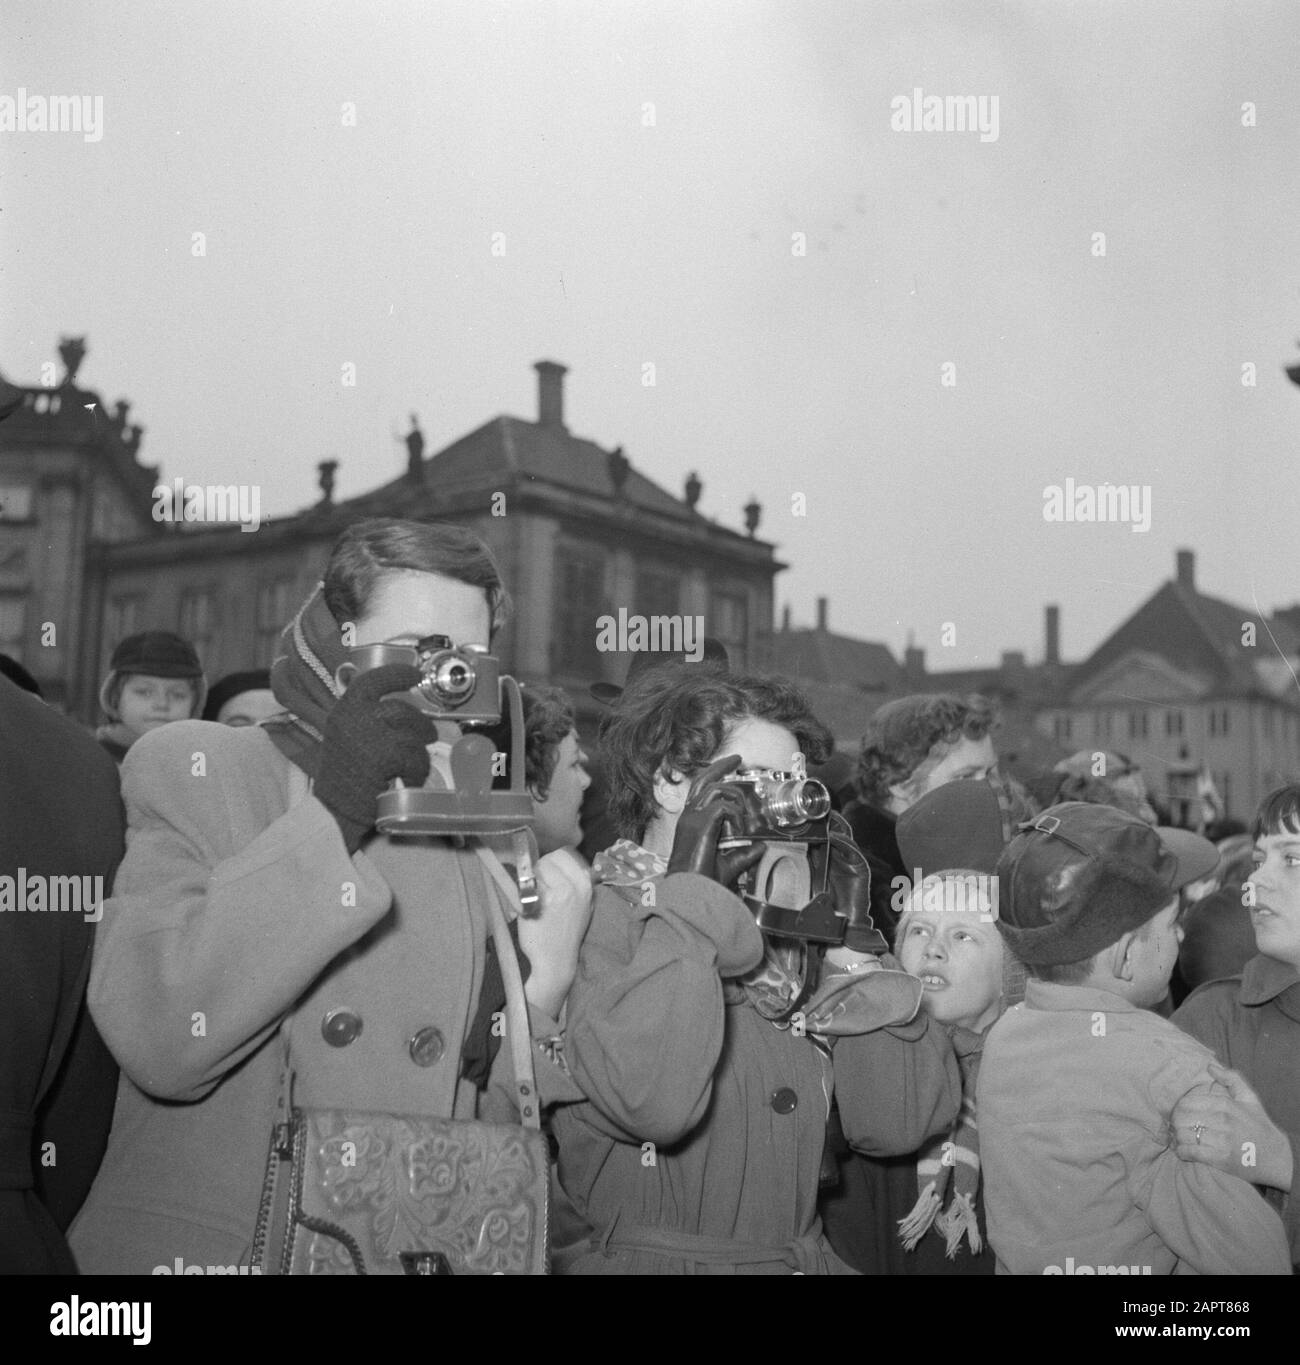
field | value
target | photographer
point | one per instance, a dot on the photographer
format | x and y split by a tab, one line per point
245	897
707	1078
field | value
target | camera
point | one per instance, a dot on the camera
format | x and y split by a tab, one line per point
460	683
790	814
464	685
779	805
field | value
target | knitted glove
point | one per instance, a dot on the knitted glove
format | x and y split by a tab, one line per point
371	738
708	805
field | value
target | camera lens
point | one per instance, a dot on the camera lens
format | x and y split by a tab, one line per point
796	800
449	681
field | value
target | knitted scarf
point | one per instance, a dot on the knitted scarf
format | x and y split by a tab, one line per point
302	678
873	997
952	1157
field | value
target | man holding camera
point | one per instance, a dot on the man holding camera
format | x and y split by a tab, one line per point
702	1044
259	918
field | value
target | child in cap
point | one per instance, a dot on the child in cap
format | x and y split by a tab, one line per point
153	679
924	1214
1251	1020
1079	1083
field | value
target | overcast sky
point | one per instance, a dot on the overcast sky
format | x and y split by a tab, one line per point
665	236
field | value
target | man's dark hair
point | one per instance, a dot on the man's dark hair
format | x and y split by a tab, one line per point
678	718
369	549
548	718
1279	813
902	736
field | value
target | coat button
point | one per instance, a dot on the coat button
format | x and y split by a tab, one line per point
340	1027
784	1101
426	1047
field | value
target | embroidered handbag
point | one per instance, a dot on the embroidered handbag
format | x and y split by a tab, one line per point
358	1193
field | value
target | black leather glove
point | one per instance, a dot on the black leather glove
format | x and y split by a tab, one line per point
709	804
371	738
848	879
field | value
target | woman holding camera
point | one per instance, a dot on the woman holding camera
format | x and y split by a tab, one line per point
255	891
699	1145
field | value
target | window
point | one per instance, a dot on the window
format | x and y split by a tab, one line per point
579	600
658	592
274	608
13	626
15	502
198	616
1173	722
1137	725
1223	722
728	622
123	618
1062	728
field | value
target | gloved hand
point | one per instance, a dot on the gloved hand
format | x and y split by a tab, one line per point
709	803
848	879
371	738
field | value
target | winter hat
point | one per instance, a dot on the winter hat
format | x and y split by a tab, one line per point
158	654
956	825
231	686
1080	876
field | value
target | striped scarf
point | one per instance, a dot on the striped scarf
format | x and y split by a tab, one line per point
951	1160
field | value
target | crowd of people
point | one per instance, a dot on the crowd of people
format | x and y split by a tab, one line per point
1044	1033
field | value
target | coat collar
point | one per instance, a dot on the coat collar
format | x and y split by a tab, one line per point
1265	979
1049	995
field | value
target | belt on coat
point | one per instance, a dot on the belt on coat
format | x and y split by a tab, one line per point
806	1254
16	1127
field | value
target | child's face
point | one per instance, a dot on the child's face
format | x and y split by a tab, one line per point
958	956
1152	956
1276	912
148	702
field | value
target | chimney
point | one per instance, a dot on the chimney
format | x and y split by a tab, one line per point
914	662
1013	662
821	613
785	617
1053	636
550	393
1186	562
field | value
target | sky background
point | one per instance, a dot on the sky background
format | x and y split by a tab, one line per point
672	244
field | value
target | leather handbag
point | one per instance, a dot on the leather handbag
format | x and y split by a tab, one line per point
354	1193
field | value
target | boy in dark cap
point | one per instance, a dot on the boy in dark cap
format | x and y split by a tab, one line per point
1079	1083
153	679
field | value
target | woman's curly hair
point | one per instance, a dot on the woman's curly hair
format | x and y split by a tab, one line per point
548	718
900	742
677	719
